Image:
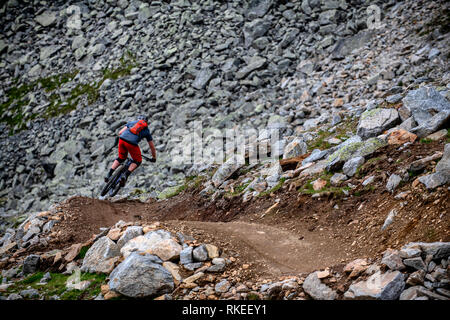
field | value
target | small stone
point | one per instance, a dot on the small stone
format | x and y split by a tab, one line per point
222	287
438	135
392	260
114	234
319	184
337	178
351	166
193	278
393	181
31	263
400	136
416	263
316	289
200	253
416	278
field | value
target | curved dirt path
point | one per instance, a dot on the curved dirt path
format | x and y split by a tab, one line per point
273	250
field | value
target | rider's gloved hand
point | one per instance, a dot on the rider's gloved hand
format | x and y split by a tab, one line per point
153	160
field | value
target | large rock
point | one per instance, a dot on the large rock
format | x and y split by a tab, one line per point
351	166
255	63
294	149
374	122
226	170
46	18
258	8
316	289
140	276
255	29
345	46
424	103
351	150
186	255
438	250
442	174
159	243
392	259
131	233
101	256
31	263
202	78
47	52
433	124
386	286
200	253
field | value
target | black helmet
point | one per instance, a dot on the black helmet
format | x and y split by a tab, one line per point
143	117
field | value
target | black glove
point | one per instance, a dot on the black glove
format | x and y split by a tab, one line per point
153	160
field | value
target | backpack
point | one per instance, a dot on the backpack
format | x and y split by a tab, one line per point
138	127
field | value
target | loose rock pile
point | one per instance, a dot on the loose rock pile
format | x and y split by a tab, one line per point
291	65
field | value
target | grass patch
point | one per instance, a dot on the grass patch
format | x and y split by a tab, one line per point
33	278
82	252
308	188
237	190
172	191
319	142
253	296
425	140
342	131
12	111
57	286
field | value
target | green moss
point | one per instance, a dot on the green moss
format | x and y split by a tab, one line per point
274	189
171	191
308	188
82	252
36	277
57	286
238	190
426	141
253	296
319	142
342	131
12	111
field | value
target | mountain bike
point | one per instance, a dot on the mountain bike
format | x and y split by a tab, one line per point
113	185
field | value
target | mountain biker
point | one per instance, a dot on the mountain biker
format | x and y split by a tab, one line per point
129	138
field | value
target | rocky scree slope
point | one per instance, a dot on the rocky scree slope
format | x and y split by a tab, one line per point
75	72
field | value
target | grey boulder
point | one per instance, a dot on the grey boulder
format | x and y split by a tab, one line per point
101	256
375	121
316	289
140	276
424	103
387	286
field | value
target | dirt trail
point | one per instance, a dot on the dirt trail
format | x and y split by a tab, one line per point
275	251
269	249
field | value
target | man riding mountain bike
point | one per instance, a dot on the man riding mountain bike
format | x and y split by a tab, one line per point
129	138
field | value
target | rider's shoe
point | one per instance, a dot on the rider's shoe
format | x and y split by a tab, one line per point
123	180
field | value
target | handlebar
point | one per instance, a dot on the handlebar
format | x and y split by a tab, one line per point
148	158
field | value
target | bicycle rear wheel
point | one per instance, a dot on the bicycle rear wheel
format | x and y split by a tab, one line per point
112	181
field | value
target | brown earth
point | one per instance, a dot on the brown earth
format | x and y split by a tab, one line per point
301	233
